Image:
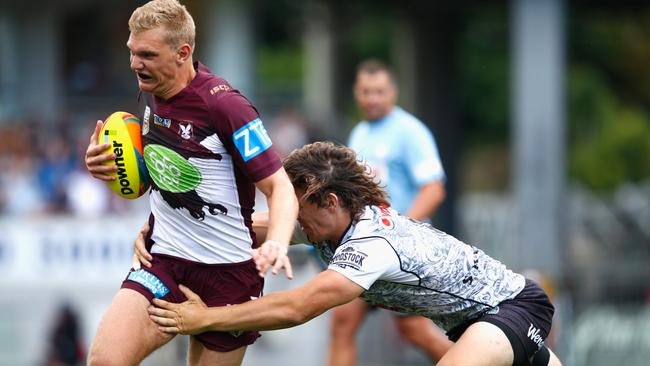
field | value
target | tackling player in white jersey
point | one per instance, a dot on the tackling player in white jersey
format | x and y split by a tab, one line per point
494	316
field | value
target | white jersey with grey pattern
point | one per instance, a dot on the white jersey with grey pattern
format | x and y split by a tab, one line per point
411	267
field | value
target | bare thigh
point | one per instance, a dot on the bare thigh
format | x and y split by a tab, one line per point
482	344
201	356
126	335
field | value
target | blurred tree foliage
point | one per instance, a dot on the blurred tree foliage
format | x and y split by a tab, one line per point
609	99
485	97
610	138
279	53
279	68
485	76
608	91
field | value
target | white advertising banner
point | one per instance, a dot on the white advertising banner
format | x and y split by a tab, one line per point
46	250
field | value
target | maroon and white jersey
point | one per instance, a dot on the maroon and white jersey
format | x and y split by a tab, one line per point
204	147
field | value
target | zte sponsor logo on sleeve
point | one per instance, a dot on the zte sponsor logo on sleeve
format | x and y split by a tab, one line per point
252	139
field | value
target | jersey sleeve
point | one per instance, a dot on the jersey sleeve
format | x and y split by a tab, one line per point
353	137
242	131
364	261
423	159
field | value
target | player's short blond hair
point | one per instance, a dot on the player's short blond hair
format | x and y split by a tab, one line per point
169	14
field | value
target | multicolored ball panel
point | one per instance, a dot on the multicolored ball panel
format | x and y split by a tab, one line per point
122	131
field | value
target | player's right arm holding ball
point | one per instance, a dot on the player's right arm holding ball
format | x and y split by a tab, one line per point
95	158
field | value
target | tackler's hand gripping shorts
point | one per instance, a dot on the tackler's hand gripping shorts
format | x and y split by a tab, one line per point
216	284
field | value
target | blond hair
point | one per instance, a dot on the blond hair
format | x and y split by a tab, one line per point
169	14
321	168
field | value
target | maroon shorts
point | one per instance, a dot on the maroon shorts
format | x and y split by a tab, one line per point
216	284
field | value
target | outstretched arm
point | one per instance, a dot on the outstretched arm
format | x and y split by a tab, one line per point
427	201
278	310
283	212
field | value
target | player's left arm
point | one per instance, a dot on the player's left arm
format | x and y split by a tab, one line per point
283	212
427	200
425	167
278	310
245	137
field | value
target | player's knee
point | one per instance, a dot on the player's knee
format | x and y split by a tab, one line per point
342	330
410	337
406	332
341	326
411	328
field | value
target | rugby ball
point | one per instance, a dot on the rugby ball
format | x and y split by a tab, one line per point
121	130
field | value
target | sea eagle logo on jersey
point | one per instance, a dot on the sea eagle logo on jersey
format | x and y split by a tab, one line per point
252	139
186	131
349	257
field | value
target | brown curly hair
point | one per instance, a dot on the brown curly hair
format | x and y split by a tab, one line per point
321	168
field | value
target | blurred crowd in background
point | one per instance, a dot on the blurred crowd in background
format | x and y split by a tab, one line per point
44	173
